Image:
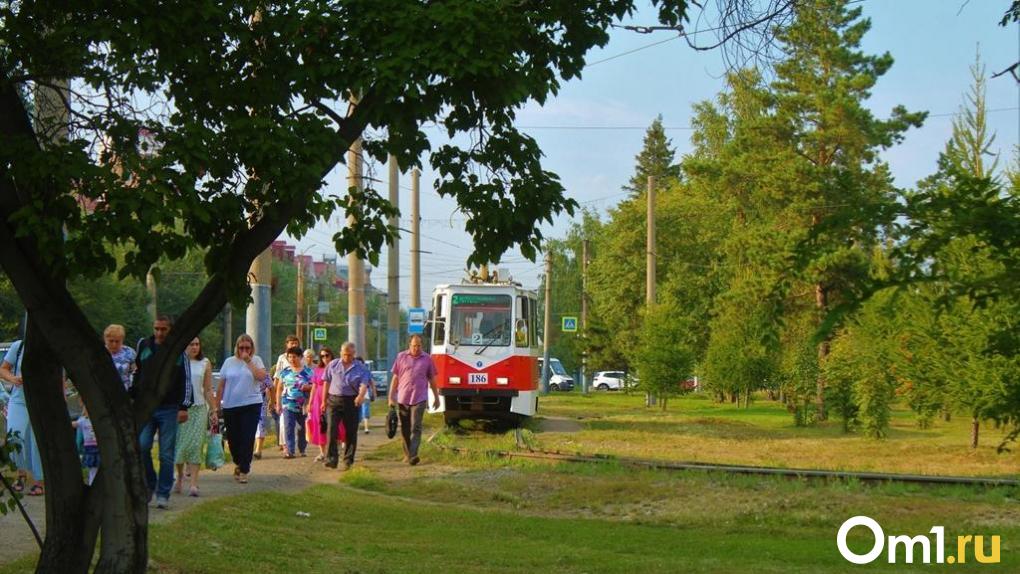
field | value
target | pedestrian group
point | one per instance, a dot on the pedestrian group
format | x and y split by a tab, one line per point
318	400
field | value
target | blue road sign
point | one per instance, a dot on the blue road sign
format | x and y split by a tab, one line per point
569	324
416	320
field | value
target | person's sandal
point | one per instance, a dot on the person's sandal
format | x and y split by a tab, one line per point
243	478
19	485
36	490
237	473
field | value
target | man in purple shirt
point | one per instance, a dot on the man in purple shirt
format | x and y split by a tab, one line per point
347	382
413	375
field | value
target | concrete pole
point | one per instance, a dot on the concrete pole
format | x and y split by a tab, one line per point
228	332
546	330
584	315
152	308
258	319
300	307
415	240
650	398
355	266
650	245
393	267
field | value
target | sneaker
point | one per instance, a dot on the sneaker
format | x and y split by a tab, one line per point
328	464
414	460
163	503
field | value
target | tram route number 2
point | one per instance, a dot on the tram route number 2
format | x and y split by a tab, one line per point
478	378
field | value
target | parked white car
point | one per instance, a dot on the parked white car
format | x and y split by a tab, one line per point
610	381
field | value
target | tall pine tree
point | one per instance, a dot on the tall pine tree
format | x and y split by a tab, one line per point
657	158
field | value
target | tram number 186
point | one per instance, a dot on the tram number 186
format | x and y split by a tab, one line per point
478	378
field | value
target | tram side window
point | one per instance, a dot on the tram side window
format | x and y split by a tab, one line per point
439	326
534	321
522	322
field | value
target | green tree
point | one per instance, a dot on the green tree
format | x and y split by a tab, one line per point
960	258
246	105
657	158
844	188
663	356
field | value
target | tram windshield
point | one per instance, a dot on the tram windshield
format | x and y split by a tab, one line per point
480	320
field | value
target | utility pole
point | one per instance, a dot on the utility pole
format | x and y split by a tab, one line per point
259	315
650	398
415	241
258	319
393	266
650	260
584	316
546	329
355	266
150	286
228	331
300	300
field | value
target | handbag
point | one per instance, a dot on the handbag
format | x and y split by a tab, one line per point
214	457
391	423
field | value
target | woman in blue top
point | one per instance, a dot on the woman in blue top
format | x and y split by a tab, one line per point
292	401
27	460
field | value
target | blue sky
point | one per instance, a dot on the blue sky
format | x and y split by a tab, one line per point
934	43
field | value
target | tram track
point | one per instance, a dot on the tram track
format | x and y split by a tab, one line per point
866	477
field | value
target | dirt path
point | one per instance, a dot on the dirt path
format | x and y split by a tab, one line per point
273	473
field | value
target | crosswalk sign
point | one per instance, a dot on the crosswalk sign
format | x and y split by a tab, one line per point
569	324
319	334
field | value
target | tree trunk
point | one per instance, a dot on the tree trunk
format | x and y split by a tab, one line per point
822	305
975	427
64	549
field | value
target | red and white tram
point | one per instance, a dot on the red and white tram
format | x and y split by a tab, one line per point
485	348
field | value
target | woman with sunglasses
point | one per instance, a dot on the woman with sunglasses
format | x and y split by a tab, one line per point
316	433
243	378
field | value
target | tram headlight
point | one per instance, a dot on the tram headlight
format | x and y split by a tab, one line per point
502	381
454	380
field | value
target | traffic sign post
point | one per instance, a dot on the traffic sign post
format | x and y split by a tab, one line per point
416	320
319	334
569	325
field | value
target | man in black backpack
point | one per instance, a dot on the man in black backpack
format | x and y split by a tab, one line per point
172	410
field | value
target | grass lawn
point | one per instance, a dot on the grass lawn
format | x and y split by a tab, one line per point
698	429
492	517
361	531
480	513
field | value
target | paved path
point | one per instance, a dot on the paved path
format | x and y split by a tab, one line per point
273	472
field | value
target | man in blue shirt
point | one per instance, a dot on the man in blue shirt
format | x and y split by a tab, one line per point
172	410
347	383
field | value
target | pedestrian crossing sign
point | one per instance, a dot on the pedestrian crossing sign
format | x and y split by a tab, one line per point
570	324
319	334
